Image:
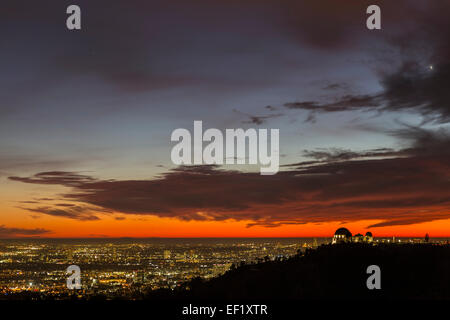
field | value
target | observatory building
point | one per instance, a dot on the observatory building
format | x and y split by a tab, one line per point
343	235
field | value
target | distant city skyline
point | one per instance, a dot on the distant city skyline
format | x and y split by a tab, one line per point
130	268
125	268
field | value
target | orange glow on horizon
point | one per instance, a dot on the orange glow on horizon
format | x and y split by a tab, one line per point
144	226
149	226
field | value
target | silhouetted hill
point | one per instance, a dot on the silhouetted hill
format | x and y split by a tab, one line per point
408	271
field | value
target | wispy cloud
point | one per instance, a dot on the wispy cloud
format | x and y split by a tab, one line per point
398	187
257	120
76	212
413	87
17	232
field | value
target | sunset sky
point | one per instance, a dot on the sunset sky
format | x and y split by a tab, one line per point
86	117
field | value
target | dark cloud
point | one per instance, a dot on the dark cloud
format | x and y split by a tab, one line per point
345	103
257	120
412	87
336	86
413	72
56	177
10	163
154	44
410	185
336	154
140	47
229	43
17	232
76	212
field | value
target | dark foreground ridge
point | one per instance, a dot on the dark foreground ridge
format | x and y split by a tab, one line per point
408	271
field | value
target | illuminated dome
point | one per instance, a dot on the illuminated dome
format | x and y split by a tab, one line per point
368	237
343	232
342	235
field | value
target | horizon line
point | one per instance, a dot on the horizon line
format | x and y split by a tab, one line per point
143	238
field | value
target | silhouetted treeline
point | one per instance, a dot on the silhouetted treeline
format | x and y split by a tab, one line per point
408	271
